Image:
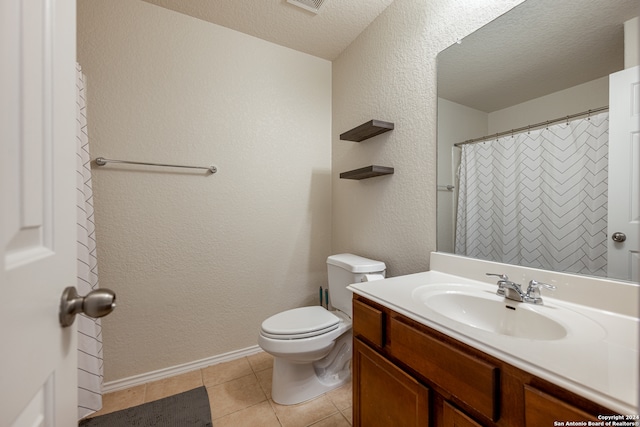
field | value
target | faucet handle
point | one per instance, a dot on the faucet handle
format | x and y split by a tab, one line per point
533	291
534	285
503	279
501	276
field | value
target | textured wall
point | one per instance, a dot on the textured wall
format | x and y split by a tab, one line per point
389	73
199	261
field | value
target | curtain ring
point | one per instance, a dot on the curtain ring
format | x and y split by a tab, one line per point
528	129
547	125
588	114
567	120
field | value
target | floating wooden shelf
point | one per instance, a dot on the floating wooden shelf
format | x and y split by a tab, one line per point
367	130
367	172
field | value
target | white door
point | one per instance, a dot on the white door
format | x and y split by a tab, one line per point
624	175
38	357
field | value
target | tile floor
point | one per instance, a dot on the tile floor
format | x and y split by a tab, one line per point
240	395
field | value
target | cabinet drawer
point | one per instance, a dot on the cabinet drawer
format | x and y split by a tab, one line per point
541	409
368	323
470	380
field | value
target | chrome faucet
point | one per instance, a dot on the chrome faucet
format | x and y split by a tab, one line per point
513	291
533	291
504	280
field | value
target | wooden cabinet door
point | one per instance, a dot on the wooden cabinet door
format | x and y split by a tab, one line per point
452	417
542	409
384	395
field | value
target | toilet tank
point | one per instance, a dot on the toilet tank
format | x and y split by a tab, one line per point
345	269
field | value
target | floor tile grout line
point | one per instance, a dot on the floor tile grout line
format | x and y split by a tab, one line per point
144	393
260	362
240	410
327	417
271	404
233	379
259	388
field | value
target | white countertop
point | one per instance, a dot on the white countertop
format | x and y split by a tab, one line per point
602	367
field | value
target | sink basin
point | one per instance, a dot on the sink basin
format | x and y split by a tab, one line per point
487	311
496	316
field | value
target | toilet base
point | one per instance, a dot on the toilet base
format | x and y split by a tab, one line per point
298	382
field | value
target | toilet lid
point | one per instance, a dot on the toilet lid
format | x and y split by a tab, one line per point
301	322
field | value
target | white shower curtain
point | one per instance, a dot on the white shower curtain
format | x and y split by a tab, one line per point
537	199
89	330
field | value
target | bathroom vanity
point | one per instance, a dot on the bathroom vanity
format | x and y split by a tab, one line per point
423	355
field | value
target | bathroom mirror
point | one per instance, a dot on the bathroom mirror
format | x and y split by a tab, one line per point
542	60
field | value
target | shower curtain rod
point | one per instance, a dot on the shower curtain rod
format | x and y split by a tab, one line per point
101	161
530	127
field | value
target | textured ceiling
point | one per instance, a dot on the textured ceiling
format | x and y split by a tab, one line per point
539	47
325	34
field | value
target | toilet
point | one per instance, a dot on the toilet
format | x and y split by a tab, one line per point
311	346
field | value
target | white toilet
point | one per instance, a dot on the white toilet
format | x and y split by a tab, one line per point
312	345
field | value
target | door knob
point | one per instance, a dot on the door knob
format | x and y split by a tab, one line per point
618	237
96	303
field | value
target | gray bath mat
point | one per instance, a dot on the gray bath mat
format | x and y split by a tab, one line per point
190	408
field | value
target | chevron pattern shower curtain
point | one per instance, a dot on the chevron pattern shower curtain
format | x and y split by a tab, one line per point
537	199
90	374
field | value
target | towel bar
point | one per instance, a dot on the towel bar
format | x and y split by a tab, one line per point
101	161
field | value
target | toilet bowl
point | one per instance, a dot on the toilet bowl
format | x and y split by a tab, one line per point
312	345
310	363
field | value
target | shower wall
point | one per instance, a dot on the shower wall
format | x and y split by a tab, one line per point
199	261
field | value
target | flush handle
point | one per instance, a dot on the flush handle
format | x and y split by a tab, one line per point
96	303
618	237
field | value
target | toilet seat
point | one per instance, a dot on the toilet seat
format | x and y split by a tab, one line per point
297	323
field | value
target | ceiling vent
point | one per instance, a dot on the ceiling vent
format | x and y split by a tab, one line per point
310	5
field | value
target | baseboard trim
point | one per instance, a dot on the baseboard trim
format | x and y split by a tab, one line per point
160	374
